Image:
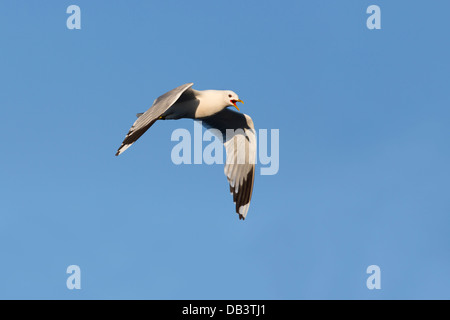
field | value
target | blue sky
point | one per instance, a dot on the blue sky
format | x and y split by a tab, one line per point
364	151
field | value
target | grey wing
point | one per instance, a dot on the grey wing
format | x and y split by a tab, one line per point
238	134
148	118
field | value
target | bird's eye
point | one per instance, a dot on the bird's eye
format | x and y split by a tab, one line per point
229	95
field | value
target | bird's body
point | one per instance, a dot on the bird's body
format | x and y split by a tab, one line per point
201	104
210	106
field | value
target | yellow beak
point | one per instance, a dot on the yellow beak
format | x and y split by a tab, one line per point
234	103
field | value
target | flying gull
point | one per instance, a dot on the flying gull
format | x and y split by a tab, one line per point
209	106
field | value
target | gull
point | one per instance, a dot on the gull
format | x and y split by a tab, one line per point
211	107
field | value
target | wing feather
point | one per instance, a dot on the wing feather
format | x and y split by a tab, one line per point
240	145
148	118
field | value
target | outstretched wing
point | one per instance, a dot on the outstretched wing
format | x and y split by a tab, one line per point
148	118
238	134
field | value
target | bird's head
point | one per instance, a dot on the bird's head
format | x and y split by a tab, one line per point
231	98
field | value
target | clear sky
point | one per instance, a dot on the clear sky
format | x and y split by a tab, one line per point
364	124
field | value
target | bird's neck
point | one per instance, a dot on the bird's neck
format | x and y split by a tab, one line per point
211	102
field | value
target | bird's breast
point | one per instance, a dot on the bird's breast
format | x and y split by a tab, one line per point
207	108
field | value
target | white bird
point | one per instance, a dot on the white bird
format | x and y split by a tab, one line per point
209	106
